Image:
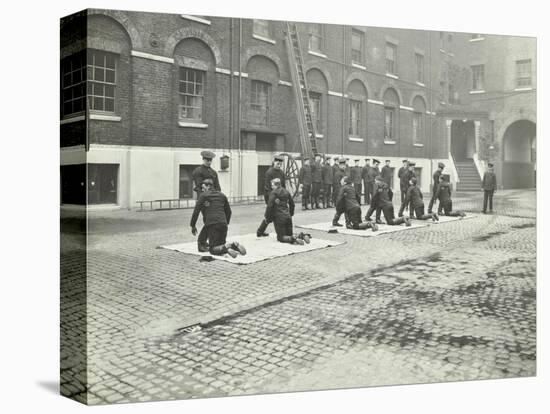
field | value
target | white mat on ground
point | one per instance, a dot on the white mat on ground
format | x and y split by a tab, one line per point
257	248
382	228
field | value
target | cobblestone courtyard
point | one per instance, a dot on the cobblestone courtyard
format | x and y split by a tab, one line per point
448	302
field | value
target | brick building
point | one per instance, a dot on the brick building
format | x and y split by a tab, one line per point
162	87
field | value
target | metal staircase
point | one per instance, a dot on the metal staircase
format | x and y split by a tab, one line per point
306	120
468	176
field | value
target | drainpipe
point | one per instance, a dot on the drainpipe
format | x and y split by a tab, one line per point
343	87
239	109
231	109
431	112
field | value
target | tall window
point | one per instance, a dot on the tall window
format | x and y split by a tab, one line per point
316	38
357	40
389	123
391	53
419	59
101	80
354	118
261	28
259	102
478	77
523	73
418	127
73	84
315	99
453	98
191	94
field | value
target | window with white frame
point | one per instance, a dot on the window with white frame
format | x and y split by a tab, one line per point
418	127
315	99
391	53
260	93
101	80
523	73
354	118
478	77
419	59
73	84
191	94
261	28
316	38
357	43
389	123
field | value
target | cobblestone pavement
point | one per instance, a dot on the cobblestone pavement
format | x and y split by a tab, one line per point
448	302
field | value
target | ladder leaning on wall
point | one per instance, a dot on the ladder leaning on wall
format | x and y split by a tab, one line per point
306	122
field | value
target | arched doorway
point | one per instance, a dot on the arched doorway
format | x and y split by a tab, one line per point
518	155
463	144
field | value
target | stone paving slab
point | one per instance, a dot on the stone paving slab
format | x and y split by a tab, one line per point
257	248
382	228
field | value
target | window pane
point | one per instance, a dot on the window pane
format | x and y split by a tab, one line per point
98	104
110	105
98	89
99	74
109	91
110	61
110	76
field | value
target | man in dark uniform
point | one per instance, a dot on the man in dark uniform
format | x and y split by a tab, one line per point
338	176
383	200
200	174
316	181
444	196
305	180
374	207
414	198
357	179
387	173
348	168
275	171
408	175
279	210
335	169
348	202
215	207
436	175
328	177
403	183
365	176
372	174
489	186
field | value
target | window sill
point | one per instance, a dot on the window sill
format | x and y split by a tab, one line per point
418	145
390	142
391	75
476	92
192	125
529	88
196	19
358	66
102	117
477	39
263	39
318	54
356	139
421	84
71	119
319	136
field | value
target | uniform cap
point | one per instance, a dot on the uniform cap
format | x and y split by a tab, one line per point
278	158
412	164
405	160
388	160
490	164
342	160
328	157
367	159
357	159
207	154
375	161
440	165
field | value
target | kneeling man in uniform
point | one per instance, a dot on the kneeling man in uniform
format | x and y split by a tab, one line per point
348	202
444	196
414	198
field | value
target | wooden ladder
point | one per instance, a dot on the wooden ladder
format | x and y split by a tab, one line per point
306	121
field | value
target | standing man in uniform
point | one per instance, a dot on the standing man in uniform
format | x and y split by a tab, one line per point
403	183
357	179
365	176
275	171
436	175
408	175
201	173
328	178
489	186
316	181
215	207
335	169
305	180
338	176
348	168
387	173
372	174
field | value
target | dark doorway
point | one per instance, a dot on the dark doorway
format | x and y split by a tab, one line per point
102	183
519	155
73	184
262	169
462	139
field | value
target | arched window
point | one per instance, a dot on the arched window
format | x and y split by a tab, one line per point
419	120
357	94
391	105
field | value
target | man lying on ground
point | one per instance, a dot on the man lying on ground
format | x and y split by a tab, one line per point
215	207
